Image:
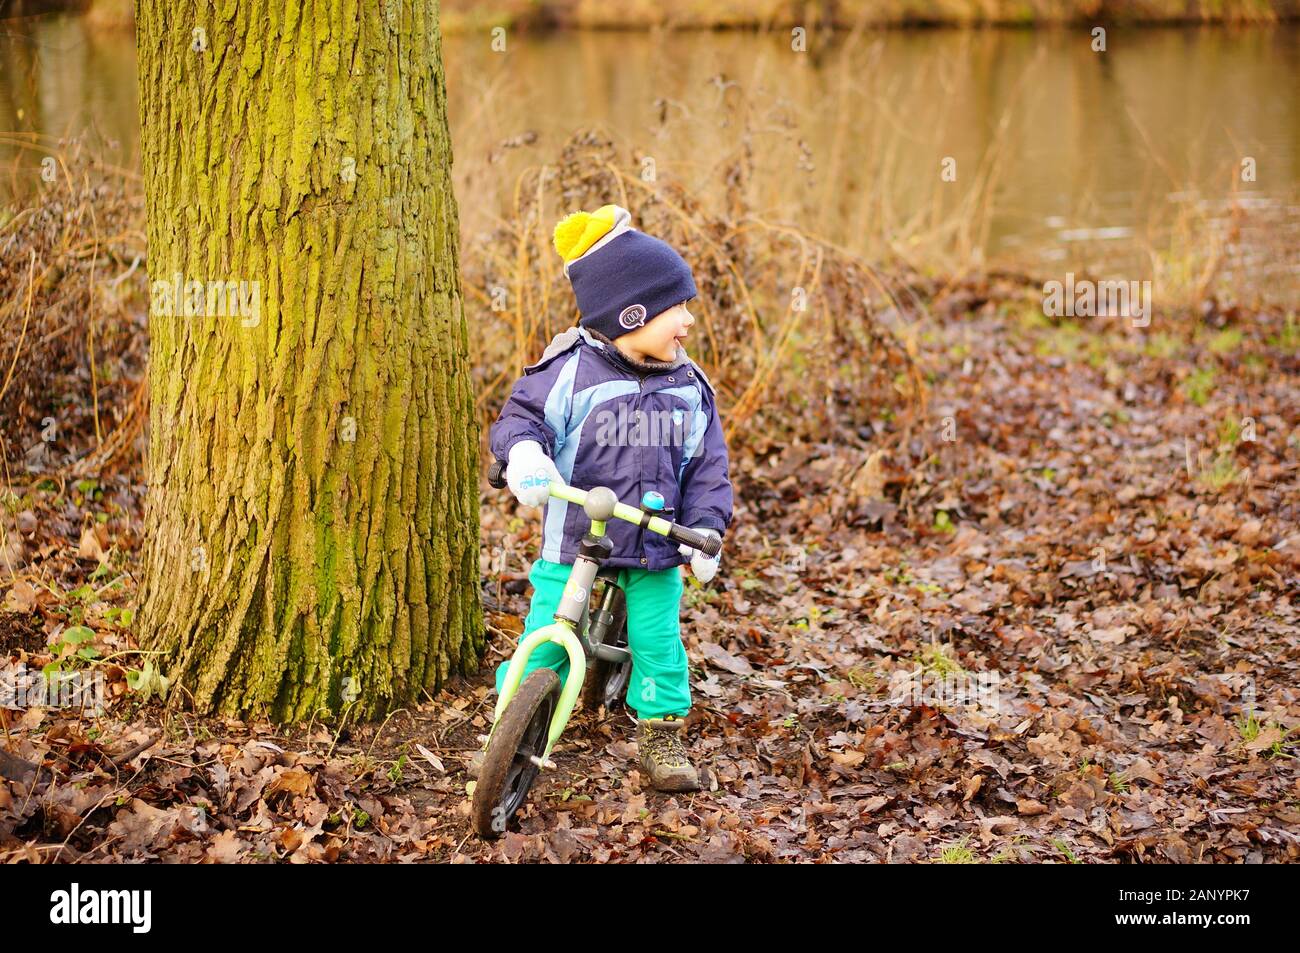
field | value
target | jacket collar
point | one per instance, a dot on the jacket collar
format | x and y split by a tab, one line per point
566	340
641	368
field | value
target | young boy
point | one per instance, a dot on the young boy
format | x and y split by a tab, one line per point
616	402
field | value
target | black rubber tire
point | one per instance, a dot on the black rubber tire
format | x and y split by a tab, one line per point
507	774
601	676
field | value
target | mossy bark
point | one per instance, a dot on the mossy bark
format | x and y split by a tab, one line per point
312	516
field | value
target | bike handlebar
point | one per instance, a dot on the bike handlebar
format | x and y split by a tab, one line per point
708	543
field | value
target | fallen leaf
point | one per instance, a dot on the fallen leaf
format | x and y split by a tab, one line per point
1266	738
226	848
24	597
90	546
294	780
724	660
432	758
849	758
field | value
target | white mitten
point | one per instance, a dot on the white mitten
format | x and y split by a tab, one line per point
529	472
703	567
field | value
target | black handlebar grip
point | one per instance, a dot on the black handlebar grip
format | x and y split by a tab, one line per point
708	543
497	474
712	546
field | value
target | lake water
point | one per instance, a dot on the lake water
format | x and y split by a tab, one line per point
1057	156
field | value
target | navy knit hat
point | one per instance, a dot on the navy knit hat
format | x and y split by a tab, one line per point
621	277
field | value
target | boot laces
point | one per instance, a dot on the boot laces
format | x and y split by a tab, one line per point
664	746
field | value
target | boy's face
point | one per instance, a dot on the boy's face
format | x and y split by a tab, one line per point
658	337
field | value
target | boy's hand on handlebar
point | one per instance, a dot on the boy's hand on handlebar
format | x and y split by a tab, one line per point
703	567
529	473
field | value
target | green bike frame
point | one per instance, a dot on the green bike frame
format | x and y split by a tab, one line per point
600	506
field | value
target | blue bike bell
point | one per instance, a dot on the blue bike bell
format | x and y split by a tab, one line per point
652	501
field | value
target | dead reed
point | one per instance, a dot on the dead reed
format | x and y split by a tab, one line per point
790	327
73	337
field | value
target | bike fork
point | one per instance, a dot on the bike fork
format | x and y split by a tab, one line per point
564	633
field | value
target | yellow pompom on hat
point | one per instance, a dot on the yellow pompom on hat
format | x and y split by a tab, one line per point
578	231
621	277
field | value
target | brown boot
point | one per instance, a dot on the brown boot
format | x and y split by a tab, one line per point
663	756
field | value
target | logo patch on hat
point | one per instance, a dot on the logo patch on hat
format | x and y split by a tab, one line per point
633	316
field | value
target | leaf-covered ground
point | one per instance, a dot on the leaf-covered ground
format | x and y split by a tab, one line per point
1096	523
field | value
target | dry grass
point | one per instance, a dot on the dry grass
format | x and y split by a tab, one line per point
792	334
73	338
464	15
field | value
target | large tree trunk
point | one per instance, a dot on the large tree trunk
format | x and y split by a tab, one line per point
312	517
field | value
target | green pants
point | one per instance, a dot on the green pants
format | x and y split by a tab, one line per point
659	684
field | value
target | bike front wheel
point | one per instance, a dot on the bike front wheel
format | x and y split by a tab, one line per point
508	767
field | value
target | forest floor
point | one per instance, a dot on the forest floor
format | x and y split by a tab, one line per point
1058	626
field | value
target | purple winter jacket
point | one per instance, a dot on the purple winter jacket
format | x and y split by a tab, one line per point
631	426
